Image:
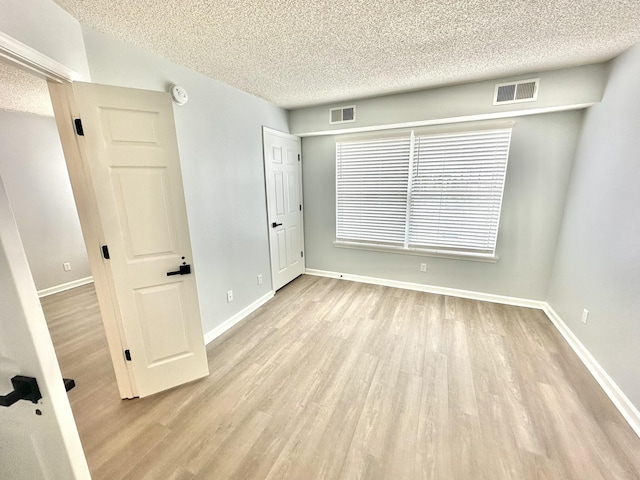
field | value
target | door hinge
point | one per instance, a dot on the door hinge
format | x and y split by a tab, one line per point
299	158
127	355
79	130
302	254
105	252
300	207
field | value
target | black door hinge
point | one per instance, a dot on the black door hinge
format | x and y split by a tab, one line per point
300	207
127	355
105	252
79	130
299	157
302	254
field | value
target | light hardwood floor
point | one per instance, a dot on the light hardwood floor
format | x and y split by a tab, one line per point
340	380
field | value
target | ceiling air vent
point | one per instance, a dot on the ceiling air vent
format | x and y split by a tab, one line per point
516	92
342	115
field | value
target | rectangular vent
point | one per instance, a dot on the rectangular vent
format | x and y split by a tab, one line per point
342	115
516	92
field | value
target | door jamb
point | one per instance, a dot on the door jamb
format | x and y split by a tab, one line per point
20	55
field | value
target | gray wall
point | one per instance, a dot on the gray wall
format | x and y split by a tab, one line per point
33	169
31	161
220	142
558	88
597	263
540	162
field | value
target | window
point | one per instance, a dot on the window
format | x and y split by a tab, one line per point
438	194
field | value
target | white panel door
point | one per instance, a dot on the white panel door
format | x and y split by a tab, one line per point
130	159
37	441
283	173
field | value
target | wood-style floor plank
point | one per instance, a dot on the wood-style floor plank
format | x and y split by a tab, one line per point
341	380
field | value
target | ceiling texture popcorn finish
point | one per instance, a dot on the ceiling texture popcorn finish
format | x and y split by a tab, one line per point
298	53
23	92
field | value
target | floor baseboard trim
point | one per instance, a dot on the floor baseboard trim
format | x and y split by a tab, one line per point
211	335
452	292
619	399
65	286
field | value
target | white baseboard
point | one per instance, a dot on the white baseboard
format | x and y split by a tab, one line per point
619	399
452	292
65	286
211	335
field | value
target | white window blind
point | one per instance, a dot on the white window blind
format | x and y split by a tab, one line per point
437	193
371	190
457	190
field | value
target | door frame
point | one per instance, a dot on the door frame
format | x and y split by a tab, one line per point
271	131
20	55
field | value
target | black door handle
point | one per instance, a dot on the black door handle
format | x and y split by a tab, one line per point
274	225
24	388
184	270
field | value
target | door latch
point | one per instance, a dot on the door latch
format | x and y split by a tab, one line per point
184	270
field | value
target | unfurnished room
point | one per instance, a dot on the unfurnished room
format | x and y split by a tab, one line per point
319	240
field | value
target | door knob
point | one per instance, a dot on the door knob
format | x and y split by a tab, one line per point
184	270
274	225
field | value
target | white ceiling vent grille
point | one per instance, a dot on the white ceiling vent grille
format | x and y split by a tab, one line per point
516	92
342	115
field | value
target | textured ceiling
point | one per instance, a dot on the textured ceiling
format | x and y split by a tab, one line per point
23	92
296	53
299	53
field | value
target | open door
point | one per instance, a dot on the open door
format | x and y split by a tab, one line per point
38	439
122	155
283	174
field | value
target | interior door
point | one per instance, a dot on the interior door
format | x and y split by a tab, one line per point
122	153
37	441
283	173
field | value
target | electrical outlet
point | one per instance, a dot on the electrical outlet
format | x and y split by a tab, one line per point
230	296
260	279
66	266
585	316
423	267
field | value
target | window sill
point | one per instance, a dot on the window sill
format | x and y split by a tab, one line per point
474	257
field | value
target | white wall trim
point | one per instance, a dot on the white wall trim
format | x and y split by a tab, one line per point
446	121
25	57
615	394
453	292
211	335
65	286
619	399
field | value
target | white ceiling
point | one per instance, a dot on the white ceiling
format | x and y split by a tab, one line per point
296	53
